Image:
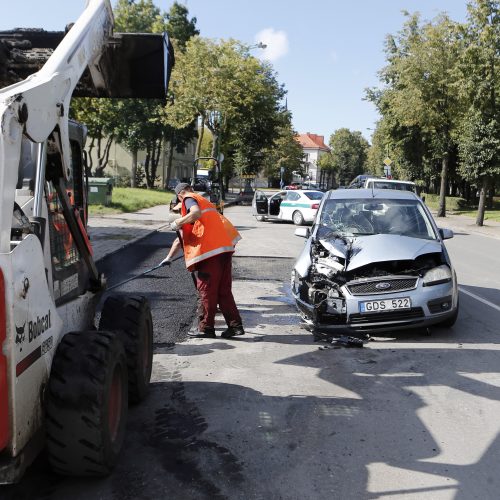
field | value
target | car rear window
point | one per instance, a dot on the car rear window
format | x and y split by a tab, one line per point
314	195
399	186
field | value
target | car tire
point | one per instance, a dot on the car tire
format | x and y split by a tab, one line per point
87	402
260	218
449	322
129	317
298	218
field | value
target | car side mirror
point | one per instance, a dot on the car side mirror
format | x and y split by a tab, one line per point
446	234
303	232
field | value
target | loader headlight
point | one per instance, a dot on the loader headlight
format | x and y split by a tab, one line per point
437	276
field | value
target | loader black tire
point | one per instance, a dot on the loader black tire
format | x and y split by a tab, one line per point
87	404
130	318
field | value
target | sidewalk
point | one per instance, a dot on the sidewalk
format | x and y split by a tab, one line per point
464	224
111	233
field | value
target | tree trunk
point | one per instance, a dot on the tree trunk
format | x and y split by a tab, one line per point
200	137
482	202
147	164
444	186
155	162
133	176
170	159
91	159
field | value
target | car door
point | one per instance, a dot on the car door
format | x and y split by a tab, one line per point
260	203
288	205
275	204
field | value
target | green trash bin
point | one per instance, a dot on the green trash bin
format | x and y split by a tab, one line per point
100	190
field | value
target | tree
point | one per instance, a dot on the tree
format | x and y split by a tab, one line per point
179	27
285	152
100	117
420	91
349	154
234	93
140	16
479	78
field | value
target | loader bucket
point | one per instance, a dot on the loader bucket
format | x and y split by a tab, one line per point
132	64
136	65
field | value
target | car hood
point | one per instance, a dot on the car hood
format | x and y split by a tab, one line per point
380	248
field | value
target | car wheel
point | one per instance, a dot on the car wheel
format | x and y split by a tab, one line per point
298	218
260	218
448	323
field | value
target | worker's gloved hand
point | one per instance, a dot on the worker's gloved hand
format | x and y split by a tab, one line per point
166	261
174	226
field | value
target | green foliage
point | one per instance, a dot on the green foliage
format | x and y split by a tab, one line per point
349	151
236	95
285	151
479	85
140	16
179	27
455	203
131	200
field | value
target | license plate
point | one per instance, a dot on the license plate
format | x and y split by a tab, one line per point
385	305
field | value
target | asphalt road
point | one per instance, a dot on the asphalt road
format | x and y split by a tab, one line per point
270	415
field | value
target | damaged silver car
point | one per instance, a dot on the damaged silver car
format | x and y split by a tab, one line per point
374	261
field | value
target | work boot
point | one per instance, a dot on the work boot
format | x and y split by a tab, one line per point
207	333
233	331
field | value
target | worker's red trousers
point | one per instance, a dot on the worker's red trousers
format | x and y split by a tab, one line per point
214	282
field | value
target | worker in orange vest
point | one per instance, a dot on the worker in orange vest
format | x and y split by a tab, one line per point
208	240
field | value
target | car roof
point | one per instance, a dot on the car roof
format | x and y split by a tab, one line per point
388	194
391	181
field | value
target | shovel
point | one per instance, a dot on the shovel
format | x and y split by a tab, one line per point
141	274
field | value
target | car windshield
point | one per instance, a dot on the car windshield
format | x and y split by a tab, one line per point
353	217
401	186
314	195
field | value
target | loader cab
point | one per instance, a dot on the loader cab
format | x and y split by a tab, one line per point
70	275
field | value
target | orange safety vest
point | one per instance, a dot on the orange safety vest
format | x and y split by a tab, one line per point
212	234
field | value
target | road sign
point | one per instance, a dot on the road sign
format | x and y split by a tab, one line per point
387	161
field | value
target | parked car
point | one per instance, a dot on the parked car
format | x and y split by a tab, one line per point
200	184
297	206
382	183
294	185
359	181
374	261
172	183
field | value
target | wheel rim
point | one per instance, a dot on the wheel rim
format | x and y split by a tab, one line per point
115	403
297	218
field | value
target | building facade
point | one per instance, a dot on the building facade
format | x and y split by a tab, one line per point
120	162
314	147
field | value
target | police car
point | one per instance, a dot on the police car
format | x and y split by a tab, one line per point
299	206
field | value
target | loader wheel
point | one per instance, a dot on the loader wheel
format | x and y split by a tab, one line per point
87	404
130	318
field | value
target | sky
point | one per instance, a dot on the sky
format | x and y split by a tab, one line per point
325	52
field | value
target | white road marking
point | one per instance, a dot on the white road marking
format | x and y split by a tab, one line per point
477	297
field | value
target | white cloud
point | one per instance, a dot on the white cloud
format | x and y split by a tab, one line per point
276	41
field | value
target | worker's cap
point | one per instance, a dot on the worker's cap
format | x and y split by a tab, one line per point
181	186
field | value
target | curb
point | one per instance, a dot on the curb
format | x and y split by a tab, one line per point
149	233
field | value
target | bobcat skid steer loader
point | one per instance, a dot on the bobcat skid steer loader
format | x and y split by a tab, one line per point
64	383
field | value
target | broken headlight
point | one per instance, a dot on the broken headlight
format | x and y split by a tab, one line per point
437	275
